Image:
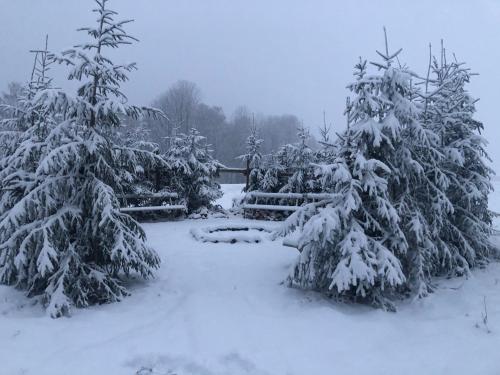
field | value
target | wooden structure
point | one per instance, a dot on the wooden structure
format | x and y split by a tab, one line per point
283	203
244	171
156	202
166	202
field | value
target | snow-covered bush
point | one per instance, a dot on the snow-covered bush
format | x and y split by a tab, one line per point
66	239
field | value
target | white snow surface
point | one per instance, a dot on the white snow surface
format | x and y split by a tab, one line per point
221	309
231	192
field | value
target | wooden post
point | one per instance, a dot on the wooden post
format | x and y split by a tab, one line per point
157	179
247	174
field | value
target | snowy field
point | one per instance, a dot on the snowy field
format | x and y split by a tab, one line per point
220	309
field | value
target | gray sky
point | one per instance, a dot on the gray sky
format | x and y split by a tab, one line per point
275	56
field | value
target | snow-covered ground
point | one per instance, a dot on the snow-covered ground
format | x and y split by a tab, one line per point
231	191
220	309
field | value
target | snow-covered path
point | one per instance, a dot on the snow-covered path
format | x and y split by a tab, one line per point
220	309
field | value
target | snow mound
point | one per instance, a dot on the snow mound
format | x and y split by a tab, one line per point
250	233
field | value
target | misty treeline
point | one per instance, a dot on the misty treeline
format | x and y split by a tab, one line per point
184	110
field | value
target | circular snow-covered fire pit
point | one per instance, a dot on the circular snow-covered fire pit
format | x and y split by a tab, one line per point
232	233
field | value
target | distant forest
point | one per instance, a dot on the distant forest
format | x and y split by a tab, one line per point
184	109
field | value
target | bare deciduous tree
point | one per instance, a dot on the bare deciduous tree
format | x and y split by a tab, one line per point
180	103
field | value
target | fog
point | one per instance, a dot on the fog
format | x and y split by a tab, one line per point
281	56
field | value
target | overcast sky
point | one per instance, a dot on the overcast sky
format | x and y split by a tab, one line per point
274	56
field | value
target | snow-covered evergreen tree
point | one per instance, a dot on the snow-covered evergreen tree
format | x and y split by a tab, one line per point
328	149
409	189
253	158
289	169
66	239
142	180
465	234
23	140
10	133
351	243
417	184
193	170
271	171
298	159
8	99
136	134
18	109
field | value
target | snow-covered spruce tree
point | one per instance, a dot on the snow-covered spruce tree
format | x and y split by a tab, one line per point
299	157
9	139
10	133
417	183
66	240
274	170
137	135
465	234
271	171
327	150
143	180
23	140
253	159
193	170
8	99
289	168
351	244
12	122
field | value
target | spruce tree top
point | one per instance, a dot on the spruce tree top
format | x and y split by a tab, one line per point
100	100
